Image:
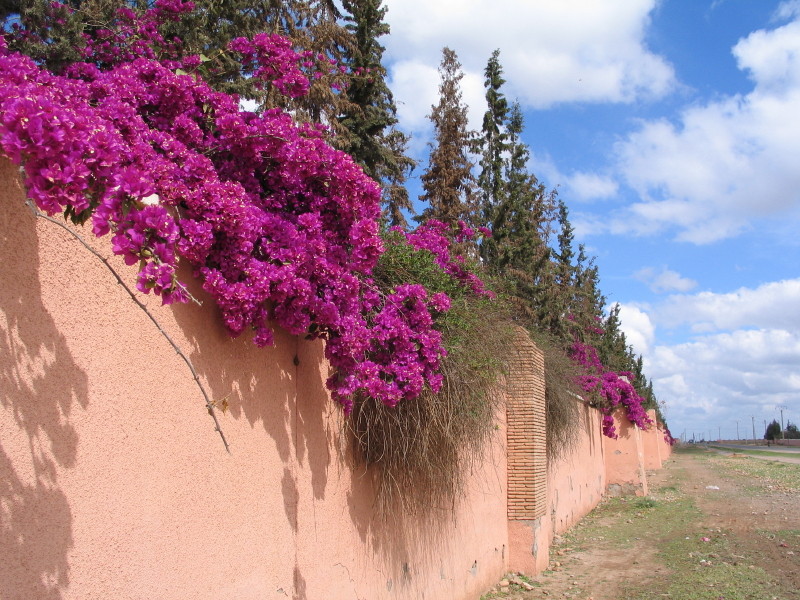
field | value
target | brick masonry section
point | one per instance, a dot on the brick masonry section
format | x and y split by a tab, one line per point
527	434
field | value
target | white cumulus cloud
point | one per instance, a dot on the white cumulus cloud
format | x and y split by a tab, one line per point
664	280
724	162
639	330
771	305
590	186
710	383
742	360
551	52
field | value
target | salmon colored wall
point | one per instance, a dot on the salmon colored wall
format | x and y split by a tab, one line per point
652	444
788	442
346	552
577	483
114	484
666	448
625	471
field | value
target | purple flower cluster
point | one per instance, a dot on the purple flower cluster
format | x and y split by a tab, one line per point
434	236
279	226
132	36
270	58
391	350
611	389
668	437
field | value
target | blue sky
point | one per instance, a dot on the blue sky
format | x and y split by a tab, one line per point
672	131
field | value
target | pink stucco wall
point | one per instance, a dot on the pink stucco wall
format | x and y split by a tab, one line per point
652	444
114	484
575	485
624	459
666	447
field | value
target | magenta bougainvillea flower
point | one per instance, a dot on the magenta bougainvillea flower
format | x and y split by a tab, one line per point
280	227
611	390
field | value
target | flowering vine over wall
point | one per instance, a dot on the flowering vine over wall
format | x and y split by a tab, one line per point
611	390
279	226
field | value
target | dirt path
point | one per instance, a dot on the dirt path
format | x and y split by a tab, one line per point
716	527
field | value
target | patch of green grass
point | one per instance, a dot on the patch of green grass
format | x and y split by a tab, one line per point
762	474
715	581
692	449
790	536
766	453
621	522
700	564
702	567
646	502
527	579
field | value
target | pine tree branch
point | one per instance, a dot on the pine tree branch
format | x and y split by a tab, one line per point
209	402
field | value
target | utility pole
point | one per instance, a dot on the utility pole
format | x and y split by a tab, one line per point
719	433
782	408
737	430
754	429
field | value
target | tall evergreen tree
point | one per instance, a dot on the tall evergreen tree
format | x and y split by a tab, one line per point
493	141
588	301
561	303
371	117
613	346
448	182
48	44
518	249
312	25
566	253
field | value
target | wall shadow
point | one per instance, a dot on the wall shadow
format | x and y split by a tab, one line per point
317	429
414	545
40	387
588	426
257	383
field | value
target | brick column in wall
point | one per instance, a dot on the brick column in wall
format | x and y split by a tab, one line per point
527	433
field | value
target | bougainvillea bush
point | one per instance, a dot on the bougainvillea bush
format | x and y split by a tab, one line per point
426	449
608	389
280	227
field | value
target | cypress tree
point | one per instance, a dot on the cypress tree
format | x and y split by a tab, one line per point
588	301
54	32
613	347
493	142
370	118
518	248
448	181
518	215
311	25
561	305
